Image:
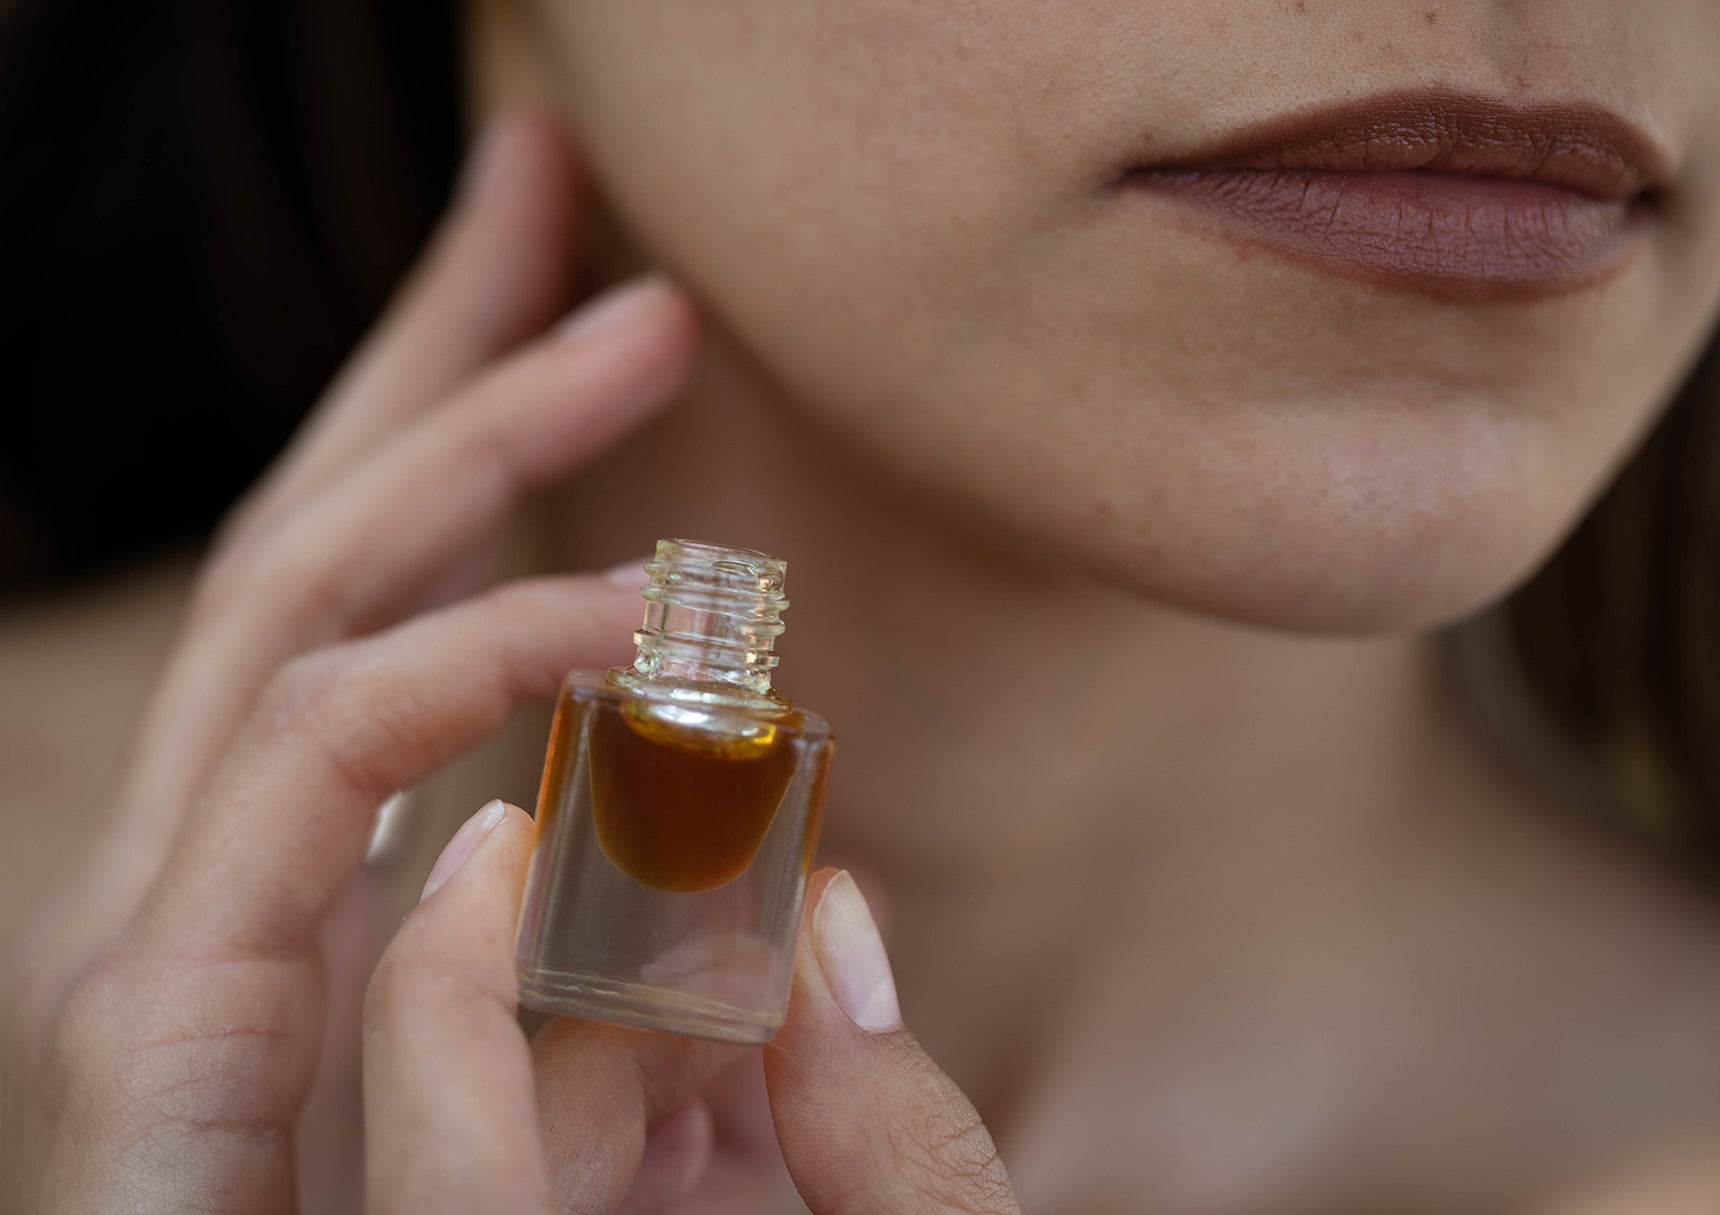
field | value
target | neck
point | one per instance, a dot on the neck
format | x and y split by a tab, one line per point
998	718
1001	720
1043	775
1030	762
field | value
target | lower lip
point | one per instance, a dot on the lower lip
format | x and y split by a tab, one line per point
1444	234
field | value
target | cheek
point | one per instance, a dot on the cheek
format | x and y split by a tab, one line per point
820	169
778	125
1241	440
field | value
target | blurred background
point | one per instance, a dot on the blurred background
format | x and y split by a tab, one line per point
204	205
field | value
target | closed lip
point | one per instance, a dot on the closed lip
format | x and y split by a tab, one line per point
1446	193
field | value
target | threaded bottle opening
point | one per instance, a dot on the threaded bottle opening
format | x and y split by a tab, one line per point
712	615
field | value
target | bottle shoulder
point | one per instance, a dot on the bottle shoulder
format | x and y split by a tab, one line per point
620	685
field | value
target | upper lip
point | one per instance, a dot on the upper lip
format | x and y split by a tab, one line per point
1584	148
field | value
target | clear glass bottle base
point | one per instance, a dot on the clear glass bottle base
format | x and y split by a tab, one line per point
603	999
674	839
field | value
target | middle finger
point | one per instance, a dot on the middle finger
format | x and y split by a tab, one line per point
499	270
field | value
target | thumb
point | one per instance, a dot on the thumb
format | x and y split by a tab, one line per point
450	1118
866	1120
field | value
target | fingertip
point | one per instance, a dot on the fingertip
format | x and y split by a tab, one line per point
638	299
513	144
808	993
851	954
689	321
516	834
628	575
613	364
552	166
492	819
841	955
485	153
815	886
514	228
462	847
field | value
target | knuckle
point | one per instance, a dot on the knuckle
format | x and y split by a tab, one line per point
338	705
493	456
515	598
519	604
146	1054
77	1047
282	569
354	709
158	1065
303	690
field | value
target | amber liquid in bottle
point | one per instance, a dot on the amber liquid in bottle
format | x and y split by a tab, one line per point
681	808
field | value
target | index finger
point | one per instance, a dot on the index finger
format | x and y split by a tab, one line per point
284	818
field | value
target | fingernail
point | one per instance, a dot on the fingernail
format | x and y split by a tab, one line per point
629	574
395	818
615	308
489	149
852	956
462	846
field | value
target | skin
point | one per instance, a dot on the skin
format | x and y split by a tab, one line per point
168	1028
1037	459
1086	378
1205	891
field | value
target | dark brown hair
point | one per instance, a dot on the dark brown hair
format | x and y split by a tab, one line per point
1619	634
207	202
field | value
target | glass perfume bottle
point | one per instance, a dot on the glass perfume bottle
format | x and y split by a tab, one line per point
678	813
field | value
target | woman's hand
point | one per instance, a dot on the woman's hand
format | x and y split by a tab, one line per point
866	1121
166	1023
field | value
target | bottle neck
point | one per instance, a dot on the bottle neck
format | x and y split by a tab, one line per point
712	616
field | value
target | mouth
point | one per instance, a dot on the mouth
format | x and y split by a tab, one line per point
1441	193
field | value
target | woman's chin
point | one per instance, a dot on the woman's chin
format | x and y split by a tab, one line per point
1358	590
1383	573
1335	537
